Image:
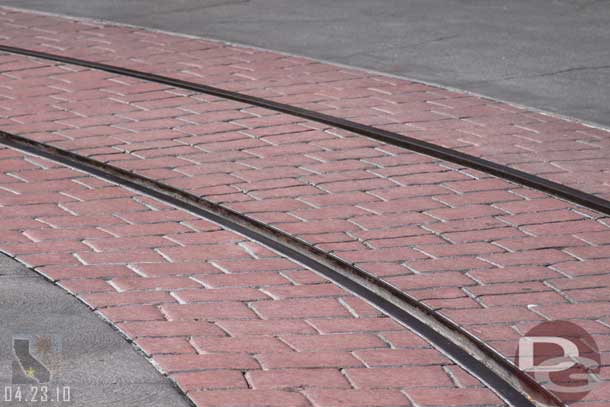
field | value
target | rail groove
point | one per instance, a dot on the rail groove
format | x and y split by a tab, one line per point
502	377
502	171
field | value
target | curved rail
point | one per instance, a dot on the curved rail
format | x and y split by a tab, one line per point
502	171
511	384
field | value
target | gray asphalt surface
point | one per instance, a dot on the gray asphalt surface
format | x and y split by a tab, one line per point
82	353
548	54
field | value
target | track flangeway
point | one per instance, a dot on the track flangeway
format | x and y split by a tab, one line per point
395	139
558	150
471	354
227	319
481	256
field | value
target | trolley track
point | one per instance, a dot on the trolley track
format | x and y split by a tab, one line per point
475	356
512	385
502	171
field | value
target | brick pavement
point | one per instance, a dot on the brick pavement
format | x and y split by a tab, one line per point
231	322
493	256
566	152
458	240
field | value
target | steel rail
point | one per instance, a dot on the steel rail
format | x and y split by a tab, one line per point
505	379
502	171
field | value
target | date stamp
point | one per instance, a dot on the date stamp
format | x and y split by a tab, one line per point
37	394
36	364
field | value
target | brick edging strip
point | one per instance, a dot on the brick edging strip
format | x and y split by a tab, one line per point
476	357
502	171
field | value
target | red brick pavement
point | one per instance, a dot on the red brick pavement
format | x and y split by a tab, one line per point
493	256
560	150
194	298
416	221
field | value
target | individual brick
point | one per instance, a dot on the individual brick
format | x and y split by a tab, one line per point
458	397
310	343
169	328
297	378
270	398
186	362
252	344
400	357
398	377
319	359
300	308
157	346
132	313
208	311
337	398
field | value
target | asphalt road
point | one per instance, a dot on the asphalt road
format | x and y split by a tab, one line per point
548	54
89	363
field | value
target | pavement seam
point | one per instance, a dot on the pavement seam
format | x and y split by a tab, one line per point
533	109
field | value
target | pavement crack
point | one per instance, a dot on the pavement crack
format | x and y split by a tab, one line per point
370	52
574	69
544	74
